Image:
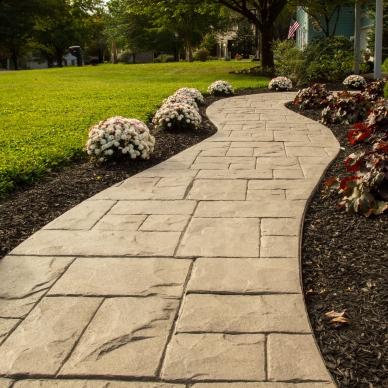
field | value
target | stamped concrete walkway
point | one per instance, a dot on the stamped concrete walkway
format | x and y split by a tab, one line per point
185	275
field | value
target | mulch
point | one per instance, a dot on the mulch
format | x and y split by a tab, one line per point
344	258
344	269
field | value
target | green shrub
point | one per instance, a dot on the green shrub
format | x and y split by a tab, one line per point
291	62
202	55
208	41
92	61
168	58
329	59
386	90
367	67
125	57
384	66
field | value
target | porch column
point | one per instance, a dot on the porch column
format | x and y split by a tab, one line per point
357	37
378	38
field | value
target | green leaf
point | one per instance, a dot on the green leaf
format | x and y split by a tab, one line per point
380	207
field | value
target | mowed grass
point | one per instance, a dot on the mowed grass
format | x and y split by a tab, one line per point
45	114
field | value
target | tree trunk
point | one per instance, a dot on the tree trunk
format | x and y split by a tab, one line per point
59	55
266	53
113	53
100	54
15	59
189	50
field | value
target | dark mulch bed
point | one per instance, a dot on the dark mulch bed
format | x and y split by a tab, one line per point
344	263
344	257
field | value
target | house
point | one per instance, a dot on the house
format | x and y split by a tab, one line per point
309	28
352	22
35	62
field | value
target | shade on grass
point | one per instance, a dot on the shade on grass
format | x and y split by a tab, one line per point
45	114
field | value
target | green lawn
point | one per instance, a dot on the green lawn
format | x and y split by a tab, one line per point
45	114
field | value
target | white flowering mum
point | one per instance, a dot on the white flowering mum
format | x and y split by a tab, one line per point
118	136
177	115
180	98
280	83
193	93
355	82
220	88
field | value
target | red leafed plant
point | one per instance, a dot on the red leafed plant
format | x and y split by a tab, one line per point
346	108
366	192
373	127
313	97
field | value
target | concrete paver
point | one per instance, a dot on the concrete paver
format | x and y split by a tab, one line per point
288	360
233	357
244	276
41	343
25	279
123	277
243	314
131	345
186	274
5	383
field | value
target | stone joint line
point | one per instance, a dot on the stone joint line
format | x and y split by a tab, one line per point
186	274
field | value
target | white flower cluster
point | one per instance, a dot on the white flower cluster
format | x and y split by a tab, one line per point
280	83
119	136
220	88
179	98
355	81
193	93
177	115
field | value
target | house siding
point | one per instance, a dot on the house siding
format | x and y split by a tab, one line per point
345	25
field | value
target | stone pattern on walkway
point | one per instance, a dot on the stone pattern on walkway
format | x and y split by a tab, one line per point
186	274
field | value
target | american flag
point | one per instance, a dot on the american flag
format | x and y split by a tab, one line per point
294	25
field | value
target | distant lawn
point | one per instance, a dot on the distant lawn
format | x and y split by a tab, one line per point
45	114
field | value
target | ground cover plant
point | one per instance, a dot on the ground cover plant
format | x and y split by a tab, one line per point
45	114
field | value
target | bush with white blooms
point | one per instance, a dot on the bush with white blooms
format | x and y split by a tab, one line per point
280	84
180	98
193	93
119	136
220	88
177	115
355	82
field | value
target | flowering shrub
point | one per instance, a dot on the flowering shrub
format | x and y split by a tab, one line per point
347	108
180	98
118	136
280	83
313	97
355	82
177	115
220	88
193	93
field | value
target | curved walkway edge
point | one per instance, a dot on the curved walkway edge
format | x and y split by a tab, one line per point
185	275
